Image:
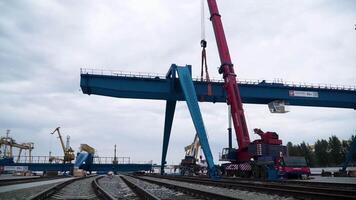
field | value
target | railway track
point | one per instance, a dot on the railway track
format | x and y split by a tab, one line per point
140	191
117	188
296	182
187	188
98	187
282	188
155	191
76	188
187	191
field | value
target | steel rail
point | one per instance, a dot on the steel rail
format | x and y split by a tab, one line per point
283	189
297	182
190	191
138	190
99	191
45	194
293	182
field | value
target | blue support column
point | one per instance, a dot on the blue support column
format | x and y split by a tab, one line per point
168	121
170	108
187	85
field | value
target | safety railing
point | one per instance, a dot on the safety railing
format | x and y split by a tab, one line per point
119	160
39	159
121	73
59	159
110	160
297	84
219	80
141	162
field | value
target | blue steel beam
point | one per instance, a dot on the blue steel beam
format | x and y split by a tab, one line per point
164	88
191	99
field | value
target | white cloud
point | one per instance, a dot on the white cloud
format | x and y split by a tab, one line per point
44	43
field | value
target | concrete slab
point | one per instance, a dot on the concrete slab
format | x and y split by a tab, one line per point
317	170
29	185
11	177
337	180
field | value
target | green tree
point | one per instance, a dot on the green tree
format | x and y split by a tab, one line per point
354	153
335	147
321	153
307	152
345	148
301	150
292	149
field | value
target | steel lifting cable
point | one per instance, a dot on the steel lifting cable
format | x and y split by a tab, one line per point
203	44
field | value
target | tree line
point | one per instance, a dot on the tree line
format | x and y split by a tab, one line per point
323	153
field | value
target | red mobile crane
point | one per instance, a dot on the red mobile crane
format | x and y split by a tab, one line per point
231	87
266	152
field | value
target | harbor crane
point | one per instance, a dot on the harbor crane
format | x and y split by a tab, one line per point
9	143
68	151
25	146
192	163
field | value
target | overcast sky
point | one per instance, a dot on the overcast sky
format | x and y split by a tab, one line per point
43	45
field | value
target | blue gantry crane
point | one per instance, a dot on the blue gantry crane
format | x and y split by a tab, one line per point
169	88
182	87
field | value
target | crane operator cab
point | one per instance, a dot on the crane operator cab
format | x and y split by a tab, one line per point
228	154
293	167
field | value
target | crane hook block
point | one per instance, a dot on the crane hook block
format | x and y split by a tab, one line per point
203	43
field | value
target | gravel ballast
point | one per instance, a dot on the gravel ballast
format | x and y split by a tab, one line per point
240	194
79	189
160	191
117	188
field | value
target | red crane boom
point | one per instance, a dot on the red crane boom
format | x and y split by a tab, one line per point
230	85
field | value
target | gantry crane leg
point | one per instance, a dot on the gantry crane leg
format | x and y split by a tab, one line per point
191	99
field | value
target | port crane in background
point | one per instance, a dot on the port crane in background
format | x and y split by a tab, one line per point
9	143
193	162
25	146
40	163
115	162
68	151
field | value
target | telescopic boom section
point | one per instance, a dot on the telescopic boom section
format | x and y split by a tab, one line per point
230	85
